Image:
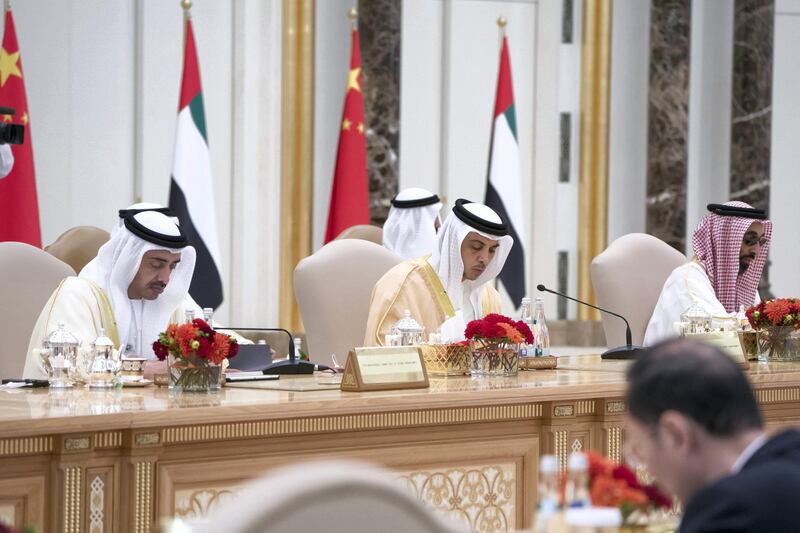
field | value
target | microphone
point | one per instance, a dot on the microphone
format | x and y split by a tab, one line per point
622	352
292	365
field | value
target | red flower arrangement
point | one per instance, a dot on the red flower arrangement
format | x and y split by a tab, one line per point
496	329
616	485
494	339
195	340
777	312
195	347
778	321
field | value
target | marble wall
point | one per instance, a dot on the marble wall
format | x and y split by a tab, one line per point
379	30
668	120
751	107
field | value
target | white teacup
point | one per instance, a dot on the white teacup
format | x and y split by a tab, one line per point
132	369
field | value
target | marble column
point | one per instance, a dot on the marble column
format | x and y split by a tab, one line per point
751	107
670	22
379	27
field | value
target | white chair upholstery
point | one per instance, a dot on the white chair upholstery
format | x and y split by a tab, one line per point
333	289
77	246
365	232
627	278
28	276
334	497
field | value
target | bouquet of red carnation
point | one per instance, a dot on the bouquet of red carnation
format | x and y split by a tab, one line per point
495	339
196	350
615	485
777	312
496	329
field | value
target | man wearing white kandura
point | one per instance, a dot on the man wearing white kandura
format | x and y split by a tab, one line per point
137	284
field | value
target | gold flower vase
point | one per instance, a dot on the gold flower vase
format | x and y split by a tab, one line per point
446	359
779	343
494	359
193	374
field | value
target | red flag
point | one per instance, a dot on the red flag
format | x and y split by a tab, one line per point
19	209
350	193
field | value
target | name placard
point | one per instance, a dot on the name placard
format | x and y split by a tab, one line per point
384	368
727	341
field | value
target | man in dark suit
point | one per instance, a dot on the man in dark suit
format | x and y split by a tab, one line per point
694	423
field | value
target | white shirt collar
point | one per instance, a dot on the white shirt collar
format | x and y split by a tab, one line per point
747	453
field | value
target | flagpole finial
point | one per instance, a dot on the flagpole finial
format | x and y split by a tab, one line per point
501	22
352	14
186	4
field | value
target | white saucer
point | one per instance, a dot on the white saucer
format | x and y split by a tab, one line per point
138	383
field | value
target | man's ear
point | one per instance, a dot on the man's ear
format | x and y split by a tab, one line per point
677	432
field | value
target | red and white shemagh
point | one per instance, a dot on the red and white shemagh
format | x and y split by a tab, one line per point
717	242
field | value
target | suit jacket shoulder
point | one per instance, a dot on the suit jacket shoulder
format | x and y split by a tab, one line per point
762	497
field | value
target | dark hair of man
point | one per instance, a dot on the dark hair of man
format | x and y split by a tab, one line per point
695	379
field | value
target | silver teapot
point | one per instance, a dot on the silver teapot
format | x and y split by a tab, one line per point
408	330
60	357
695	320
103	363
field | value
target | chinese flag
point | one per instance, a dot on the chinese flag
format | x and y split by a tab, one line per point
350	193
19	209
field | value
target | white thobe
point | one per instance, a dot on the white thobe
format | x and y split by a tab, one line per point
688	285
83	308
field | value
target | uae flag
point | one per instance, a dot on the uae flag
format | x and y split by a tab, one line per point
19	208
504	187
350	193
191	193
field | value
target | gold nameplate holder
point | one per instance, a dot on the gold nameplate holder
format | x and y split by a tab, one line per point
384	368
727	341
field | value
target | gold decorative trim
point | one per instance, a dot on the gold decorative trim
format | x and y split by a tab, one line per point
97	504
541	362
434	282
26	446
72	499
197	504
108	439
335	424
615	407
564	410
143	497
297	149
349	379
72	444
480	497
577	445
584	407
560	448
593	174
778	395
147	439
614	443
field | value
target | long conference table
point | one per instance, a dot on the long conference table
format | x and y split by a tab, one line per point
125	459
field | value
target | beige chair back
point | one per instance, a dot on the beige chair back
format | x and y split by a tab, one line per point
364	232
332	496
77	246
628	277
28	276
334	288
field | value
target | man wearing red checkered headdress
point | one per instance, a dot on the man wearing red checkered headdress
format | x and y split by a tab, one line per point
730	249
